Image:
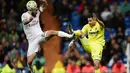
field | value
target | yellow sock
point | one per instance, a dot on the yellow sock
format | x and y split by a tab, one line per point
97	71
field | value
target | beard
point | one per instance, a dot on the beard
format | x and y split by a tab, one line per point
34	13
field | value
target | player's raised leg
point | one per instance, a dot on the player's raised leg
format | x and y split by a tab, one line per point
51	33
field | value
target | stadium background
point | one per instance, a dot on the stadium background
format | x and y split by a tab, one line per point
59	13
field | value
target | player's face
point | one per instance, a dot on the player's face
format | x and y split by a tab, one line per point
91	21
35	10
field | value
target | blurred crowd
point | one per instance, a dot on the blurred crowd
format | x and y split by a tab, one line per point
13	43
116	16
114	13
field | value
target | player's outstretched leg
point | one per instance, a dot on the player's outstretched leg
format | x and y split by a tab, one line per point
51	33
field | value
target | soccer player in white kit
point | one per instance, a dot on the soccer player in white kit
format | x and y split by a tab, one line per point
33	31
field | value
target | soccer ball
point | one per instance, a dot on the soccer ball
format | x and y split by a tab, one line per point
31	5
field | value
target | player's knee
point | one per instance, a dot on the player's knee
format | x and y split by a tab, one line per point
52	32
96	64
30	58
29	61
96	67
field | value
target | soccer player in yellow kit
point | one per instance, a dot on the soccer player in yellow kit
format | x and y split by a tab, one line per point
95	42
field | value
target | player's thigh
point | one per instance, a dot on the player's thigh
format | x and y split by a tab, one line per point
85	44
33	47
41	38
50	33
96	51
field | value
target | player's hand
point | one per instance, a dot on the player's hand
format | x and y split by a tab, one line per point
41	8
97	19
45	2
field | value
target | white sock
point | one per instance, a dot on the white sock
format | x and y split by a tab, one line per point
63	34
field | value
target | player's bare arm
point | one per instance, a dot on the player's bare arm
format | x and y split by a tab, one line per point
43	5
99	21
44	1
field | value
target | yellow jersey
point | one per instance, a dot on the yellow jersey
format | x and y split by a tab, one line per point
95	33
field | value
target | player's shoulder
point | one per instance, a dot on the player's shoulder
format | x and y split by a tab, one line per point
98	25
87	25
25	14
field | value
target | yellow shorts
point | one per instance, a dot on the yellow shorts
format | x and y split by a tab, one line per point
92	47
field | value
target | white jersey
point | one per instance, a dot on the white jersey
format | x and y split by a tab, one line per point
32	29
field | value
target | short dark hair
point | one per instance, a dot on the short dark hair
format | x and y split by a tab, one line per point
90	15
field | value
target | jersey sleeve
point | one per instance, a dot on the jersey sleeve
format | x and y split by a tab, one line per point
77	32
100	27
24	17
85	29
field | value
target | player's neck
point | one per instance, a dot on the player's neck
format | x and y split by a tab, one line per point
30	12
92	25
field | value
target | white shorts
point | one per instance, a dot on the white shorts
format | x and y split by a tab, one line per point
34	45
